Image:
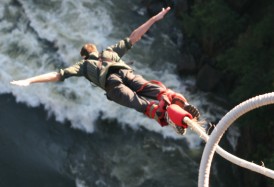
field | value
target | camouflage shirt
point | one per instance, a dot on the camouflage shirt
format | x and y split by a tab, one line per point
96	68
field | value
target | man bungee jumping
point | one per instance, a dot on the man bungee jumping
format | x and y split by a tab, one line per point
107	70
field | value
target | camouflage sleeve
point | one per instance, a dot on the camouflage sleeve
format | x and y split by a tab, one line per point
122	46
74	70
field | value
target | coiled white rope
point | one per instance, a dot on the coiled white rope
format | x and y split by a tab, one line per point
216	135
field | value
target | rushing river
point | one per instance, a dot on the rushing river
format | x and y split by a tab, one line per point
69	134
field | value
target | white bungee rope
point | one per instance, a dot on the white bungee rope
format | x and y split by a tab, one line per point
216	135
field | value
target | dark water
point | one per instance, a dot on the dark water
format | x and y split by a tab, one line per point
32	151
38	151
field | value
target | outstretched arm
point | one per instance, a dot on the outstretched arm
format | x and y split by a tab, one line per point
48	77
140	31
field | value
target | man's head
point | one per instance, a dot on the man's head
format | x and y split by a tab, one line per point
87	49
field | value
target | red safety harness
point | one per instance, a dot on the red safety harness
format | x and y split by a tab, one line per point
166	97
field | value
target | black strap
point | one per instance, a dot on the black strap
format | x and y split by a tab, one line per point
85	69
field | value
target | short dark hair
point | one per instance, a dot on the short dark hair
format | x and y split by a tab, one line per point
87	49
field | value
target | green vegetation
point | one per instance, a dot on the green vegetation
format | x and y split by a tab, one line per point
213	24
252	59
240	40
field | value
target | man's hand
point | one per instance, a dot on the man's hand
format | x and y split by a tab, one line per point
161	14
21	82
137	34
48	77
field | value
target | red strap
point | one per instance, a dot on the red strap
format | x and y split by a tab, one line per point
148	111
153	82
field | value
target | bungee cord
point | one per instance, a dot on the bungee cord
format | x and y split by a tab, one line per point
216	135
